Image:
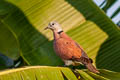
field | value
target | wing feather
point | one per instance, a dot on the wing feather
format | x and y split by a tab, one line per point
66	49
84	55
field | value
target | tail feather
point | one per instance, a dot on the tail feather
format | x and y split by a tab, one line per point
88	63
92	68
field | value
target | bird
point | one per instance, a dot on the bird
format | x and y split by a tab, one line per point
69	50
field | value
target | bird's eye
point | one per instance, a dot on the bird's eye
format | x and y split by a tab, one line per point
52	23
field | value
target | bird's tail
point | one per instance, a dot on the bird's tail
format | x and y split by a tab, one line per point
92	68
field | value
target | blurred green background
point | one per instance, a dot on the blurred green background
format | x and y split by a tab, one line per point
93	24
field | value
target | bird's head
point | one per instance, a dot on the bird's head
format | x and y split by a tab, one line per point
54	26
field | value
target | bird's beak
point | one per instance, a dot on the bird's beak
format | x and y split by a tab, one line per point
46	28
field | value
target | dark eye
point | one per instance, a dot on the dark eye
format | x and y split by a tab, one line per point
52	23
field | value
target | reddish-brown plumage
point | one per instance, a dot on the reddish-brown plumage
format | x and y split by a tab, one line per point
65	47
68	50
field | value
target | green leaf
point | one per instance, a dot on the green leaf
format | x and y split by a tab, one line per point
55	73
107	74
37	73
8	43
85	75
68	74
98	76
82	20
115	13
108	4
4	8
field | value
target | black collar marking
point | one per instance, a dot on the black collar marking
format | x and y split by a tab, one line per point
60	32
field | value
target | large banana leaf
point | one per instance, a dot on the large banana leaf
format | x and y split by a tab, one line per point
81	19
8	43
8	47
55	73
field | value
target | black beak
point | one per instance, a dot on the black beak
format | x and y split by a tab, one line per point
46	28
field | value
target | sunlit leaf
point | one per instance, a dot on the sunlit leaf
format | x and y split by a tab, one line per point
55	73
82	20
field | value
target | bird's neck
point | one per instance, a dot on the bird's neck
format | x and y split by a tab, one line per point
60	34
57	34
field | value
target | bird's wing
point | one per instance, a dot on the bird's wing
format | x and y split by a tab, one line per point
84	55
66	49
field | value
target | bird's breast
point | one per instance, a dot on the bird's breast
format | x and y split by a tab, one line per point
66	49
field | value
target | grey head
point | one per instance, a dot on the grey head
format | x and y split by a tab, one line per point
54	26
